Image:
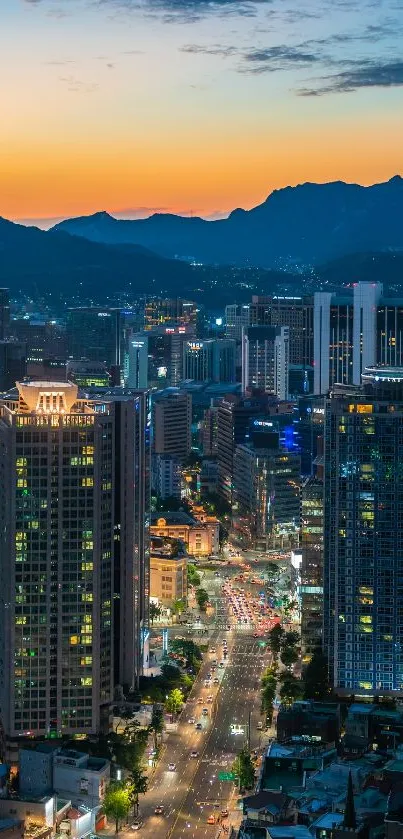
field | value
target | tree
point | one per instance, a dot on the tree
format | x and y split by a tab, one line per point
154	612
268	696
275	638
117	802
157	723
289	656
243	767
291	688
174	701
178	607
202	599
194	579
138	785
316	676
291	639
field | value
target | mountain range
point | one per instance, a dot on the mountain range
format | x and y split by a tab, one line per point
294	228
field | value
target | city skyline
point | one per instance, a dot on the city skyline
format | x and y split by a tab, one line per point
193	107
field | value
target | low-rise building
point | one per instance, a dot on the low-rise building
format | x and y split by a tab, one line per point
11	829
199	538
307	718
72	775
168	570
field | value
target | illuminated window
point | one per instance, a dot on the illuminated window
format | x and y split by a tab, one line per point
365	685
88	450
21	461
87	597
86	639
366	590
87	482
365	619
86	660
20	621
21	482
86	681
87	619
87	566
74	639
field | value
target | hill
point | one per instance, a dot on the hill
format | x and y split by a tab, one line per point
293	228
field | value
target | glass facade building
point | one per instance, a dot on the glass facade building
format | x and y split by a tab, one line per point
363	534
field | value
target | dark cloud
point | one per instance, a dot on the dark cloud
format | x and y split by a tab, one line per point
369	74
186	10
273	59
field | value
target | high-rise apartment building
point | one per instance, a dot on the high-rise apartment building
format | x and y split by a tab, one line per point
363	534
4	313
159	311
96	334
294	312
172	411
73	528
209	360
266	489
265	359
137	368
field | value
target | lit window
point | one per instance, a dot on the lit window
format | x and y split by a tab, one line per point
74	639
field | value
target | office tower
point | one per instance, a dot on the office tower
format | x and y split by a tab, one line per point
294	312
45	340
160	311
87	374
266	489
236	317
348	334
4	313
13	363
209	430
311	546
233	420
363	534
74	513
209	360
96	334
265	359
137	371
167	476
172	423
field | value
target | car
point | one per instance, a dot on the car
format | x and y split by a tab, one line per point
211	819
194	753
216	681
200	701
136	824
224	814
199	726
221	664
191	720
159	810
171	767
214	662
205	712
259	726
209	699
213	650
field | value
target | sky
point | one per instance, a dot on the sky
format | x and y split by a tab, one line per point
193	106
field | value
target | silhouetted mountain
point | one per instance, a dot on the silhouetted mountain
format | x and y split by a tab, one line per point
296	226
35	262
371	267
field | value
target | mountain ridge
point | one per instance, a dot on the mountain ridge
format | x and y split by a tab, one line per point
300	226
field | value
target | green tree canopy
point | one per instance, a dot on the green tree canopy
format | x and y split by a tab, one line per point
194	578
243	767
202	598
291	688
117	802
154	612
288	656
174	701
138	785
275	638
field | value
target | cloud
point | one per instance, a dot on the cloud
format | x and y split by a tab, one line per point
369	74
273	59
216	49
59	62
75	85
187	11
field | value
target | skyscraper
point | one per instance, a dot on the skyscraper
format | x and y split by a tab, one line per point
172	411
137	372
13	363
236	317
311	545
4	313
209	360
164	311
265	359
363	534
71	464
294	312
96	334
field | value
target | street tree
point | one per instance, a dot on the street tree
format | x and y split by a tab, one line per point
243	767
291	688
291	639
178	606
202	599
117	802
154	612
194	578
174	701
275	639
138	785
288	656
157	723
316	676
